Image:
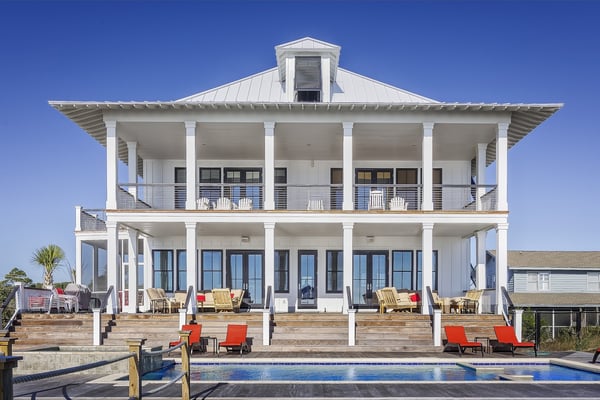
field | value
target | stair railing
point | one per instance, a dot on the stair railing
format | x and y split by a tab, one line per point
507	305
436	318
107	295
15	294
268	311
351	318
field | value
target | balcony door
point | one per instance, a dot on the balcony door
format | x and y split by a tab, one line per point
245	270
244	182
369	274
307	279
372	179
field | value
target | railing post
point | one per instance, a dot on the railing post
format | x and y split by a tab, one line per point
97	326
351	327
184	337
266	331
6	344
182	316
437	327
135	368
7	363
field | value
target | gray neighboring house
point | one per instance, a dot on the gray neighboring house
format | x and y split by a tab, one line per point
556	283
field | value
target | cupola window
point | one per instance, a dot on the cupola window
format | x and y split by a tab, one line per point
308	79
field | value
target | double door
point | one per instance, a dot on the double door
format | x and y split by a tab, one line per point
245	270
369	275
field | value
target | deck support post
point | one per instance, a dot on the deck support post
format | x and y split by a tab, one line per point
266	332
437	327
7	364
97	327
135	368
518	323
184	337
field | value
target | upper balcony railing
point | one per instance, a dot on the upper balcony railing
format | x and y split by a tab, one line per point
296	197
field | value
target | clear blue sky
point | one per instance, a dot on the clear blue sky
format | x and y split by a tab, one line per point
454	51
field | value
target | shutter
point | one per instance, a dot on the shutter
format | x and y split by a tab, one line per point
308	73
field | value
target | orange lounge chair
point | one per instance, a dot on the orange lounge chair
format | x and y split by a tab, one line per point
506	336
456	336
236	338
194	341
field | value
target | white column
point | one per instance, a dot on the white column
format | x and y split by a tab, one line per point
112	265
191	248
501	263
269	200
348	258
148	273
112	147
502	166
427	260
270	256
481	158
480	256
132	265
518	323
427	171
326	83
78	261
132	168
347	167
190	164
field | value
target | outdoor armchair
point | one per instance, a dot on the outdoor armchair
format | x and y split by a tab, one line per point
506	336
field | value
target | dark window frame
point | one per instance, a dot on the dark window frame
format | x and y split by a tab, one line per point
334	273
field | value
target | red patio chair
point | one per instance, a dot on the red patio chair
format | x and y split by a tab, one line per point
194	340
456	336
506	336
236	338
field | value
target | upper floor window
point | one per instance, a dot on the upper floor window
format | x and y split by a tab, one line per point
538	281
308	79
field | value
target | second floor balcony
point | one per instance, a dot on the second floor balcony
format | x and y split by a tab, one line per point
300	197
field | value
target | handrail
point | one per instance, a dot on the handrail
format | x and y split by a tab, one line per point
104	300
269	298
507	304
430	299
349	298
11	296
188	296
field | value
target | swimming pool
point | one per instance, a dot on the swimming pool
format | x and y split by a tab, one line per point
376	372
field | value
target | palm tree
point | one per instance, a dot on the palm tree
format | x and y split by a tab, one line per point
49	258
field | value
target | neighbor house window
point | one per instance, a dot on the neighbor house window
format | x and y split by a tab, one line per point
538	281
282	271
335	271
593	281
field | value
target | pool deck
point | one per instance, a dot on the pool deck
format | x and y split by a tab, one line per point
102	387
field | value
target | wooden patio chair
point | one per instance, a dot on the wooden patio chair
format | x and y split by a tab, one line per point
457	337
223	203
236	338
222	300
245	204
398	204
390	299
506	336
237	296
203	204
157	302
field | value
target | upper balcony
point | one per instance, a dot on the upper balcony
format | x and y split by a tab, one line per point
295	197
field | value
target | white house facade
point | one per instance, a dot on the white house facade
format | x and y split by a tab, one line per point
307	182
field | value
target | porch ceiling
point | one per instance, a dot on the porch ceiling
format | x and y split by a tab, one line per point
253	229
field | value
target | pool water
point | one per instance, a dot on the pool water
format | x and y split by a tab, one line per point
371	372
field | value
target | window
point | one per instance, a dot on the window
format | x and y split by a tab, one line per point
336	194
308	79
210	183
538	281
212	269
162	267
280	188
434	270
402	267
335	271
593	281
544	281
180	188
181	270
282	271
407	186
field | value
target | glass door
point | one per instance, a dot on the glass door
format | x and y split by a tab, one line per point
369	275
307	279
245	270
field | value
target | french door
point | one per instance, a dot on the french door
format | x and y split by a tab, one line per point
307	279
369	274
245	270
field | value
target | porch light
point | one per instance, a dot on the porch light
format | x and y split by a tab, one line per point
370	239
245	239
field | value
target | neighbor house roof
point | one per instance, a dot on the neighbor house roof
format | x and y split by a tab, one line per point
553	259
555	300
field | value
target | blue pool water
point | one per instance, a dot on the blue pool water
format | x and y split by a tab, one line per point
371	372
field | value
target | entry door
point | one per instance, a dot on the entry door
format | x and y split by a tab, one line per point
307	279
369	274
245	270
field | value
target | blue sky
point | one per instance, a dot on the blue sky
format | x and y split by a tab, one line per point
454	51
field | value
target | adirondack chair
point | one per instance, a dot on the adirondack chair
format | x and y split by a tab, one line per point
376	200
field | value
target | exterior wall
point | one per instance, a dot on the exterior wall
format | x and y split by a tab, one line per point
561	281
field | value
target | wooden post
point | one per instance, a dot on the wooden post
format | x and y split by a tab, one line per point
7	363
6	344
135	368
184	336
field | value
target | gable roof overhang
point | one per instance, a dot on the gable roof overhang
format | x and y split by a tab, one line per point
90	116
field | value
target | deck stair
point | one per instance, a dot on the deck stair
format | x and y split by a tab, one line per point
40	329
475	324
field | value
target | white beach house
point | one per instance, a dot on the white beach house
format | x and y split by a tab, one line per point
306	181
